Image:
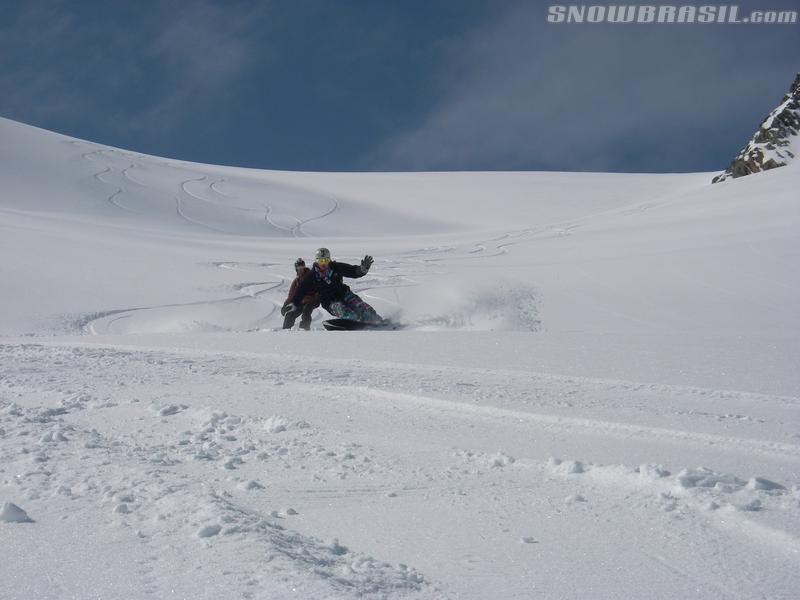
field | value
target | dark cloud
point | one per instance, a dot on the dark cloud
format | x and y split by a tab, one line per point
28	38
473	84
140	68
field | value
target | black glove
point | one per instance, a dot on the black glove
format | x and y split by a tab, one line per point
288	307
366	263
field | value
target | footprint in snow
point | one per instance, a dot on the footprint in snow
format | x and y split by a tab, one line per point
252	484
209	531
171	409
574	498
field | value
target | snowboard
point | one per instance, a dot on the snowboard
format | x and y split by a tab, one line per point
351	325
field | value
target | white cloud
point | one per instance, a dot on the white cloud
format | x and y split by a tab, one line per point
203	49
521	93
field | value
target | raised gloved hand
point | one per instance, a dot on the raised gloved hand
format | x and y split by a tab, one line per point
366	263
289	307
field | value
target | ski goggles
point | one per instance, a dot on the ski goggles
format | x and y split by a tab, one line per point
323	262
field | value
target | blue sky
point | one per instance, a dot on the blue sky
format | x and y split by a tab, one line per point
392	85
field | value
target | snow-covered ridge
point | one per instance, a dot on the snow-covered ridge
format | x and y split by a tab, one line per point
45	172
776	141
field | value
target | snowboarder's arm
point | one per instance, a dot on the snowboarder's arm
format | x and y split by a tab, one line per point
347	270
354	271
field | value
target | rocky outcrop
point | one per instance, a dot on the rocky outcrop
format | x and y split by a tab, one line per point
774	144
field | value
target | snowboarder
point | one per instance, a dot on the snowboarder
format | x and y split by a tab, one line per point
325	277
308	302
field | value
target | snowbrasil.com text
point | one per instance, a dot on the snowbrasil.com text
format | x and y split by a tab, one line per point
724	14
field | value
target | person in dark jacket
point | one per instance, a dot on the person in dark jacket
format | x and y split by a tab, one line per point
325	278
307	303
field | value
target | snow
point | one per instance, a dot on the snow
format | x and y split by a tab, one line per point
596	394
11	513
209	531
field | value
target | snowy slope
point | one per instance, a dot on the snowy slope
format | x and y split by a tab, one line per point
597	394
95	230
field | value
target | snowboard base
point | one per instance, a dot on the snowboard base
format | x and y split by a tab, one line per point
351	325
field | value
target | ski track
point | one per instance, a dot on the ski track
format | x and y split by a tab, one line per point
296	231
127	175
585	426
192	221
268	218
213	185
92	323
191	194
97	154
327	213
499	246
112	199
213	203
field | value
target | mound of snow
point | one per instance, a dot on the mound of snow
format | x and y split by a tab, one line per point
278	424
209	531
500	460
12	513
652	471
566	467
706	478
52	437
759	483
748	505
336	548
